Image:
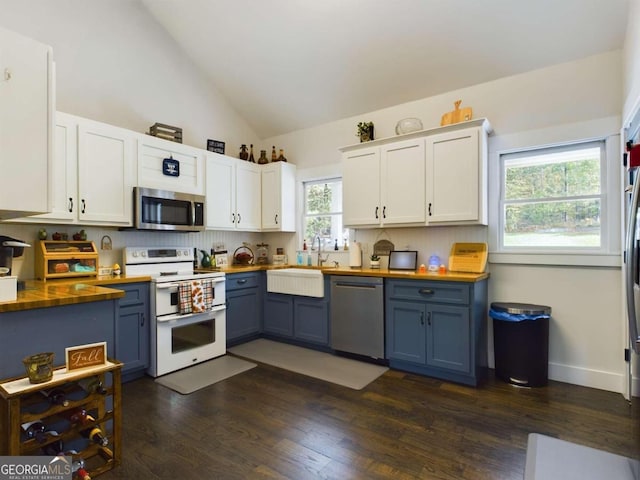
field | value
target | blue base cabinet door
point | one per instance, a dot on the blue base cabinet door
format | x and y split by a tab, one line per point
406	333
244	306
278	314
311	321
132	330
449	339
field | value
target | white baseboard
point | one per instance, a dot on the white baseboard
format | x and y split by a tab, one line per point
611	381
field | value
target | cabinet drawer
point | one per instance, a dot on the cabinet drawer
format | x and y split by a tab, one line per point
442	292
236	281
134	294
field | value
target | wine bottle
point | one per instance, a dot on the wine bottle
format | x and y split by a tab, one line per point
54	449
95	433
274	157
81	474
76	416
35	429
92	385
57	396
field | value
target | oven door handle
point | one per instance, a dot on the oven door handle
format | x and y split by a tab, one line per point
166	285
177	316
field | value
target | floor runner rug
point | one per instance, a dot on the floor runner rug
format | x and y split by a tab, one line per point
324	366
194	378
549	458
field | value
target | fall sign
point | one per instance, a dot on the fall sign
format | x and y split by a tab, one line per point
88	355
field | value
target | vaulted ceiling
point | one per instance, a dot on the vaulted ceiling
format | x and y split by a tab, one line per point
291	64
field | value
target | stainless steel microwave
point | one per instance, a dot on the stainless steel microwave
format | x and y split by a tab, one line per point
165	210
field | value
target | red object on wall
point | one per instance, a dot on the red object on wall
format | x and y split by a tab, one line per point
634	156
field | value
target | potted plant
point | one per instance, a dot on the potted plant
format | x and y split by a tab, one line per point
365	131
375	261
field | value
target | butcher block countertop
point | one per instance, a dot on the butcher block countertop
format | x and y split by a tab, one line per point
362	272
54	293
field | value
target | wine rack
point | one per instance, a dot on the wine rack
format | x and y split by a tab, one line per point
22	402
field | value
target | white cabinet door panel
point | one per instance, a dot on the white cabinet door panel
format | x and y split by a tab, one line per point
221	192
361	188
403	183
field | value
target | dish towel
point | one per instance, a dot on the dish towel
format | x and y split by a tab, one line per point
195	296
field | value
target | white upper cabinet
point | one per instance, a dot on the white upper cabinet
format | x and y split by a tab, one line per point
457	177
278	197
154	172
93	173
233	190
431	177
402	182
384	186
26	125
361	188
106	174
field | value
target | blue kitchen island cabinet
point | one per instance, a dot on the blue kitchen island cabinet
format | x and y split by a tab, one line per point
437	328
52	329
132	330
299	319
244	301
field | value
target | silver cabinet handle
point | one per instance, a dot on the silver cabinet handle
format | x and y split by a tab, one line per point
242	281
426	291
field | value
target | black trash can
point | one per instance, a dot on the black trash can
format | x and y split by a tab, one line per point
521	342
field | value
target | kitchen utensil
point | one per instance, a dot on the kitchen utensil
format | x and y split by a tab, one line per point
457	115
355	255
206	259
243	256
408	125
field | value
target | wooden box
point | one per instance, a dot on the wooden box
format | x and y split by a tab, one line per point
166	132
65	259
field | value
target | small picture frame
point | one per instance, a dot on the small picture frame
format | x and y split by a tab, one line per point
221	259
89	355
215	146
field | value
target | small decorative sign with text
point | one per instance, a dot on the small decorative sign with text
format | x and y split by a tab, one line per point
89	355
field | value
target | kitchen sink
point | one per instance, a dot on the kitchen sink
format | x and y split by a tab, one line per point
296	281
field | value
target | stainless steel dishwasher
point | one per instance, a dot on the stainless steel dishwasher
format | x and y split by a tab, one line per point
357	315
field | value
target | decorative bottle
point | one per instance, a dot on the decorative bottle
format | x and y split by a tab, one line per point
263	157
251	159
244	155
274	157
282	158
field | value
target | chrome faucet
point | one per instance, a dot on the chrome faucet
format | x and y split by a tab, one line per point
320	259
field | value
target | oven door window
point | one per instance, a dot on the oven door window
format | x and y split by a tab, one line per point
164	211
187	337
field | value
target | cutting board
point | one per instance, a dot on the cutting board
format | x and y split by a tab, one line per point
457	115
468	257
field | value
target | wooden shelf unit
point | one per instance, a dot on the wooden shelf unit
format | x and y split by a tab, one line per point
17	394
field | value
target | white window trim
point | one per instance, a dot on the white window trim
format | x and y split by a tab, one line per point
603	129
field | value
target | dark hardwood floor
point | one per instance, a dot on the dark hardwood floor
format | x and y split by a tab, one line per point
271	423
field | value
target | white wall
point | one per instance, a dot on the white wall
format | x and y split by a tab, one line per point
586	329
115	64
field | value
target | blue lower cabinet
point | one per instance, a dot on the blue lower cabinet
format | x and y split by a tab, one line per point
303	320
278	314
132	330
311	320
437	328
244	307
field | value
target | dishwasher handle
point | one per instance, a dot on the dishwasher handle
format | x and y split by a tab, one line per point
355	285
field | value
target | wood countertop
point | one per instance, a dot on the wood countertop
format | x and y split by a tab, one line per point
55	293
361	272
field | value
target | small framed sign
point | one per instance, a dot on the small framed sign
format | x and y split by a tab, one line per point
89	355
215	146
221	259
171	167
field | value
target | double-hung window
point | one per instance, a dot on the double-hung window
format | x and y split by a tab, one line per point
323	213
554	200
